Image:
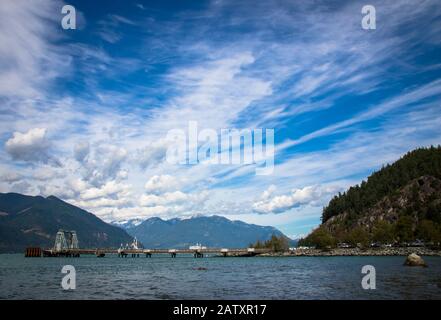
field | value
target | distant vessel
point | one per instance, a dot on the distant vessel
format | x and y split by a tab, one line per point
134	245
198	246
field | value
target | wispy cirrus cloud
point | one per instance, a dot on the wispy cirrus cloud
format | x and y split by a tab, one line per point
28	58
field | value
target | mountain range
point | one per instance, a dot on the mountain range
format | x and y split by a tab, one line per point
210	231
34	221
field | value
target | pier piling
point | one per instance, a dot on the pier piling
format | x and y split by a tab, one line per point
33	252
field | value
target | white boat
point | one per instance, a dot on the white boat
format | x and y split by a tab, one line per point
198	246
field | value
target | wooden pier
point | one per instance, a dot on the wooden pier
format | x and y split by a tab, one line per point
66	245
136	253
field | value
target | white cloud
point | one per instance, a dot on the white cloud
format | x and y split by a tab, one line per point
109	189
311	195
81	150
104	164
152	154
268	192
45	173
104	202
161	183
176	203
31	146
58	190
11	177
23	187
77	185
171	198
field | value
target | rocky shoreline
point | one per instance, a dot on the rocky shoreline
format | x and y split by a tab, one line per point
404	251
346	252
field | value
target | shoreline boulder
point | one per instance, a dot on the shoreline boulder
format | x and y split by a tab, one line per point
414	260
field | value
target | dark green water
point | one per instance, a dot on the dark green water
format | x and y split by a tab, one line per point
162	277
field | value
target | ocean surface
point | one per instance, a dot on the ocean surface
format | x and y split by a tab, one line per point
185	277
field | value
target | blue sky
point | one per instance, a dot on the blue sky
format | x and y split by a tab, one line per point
85	113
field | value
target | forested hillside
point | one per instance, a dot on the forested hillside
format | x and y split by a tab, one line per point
399	203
